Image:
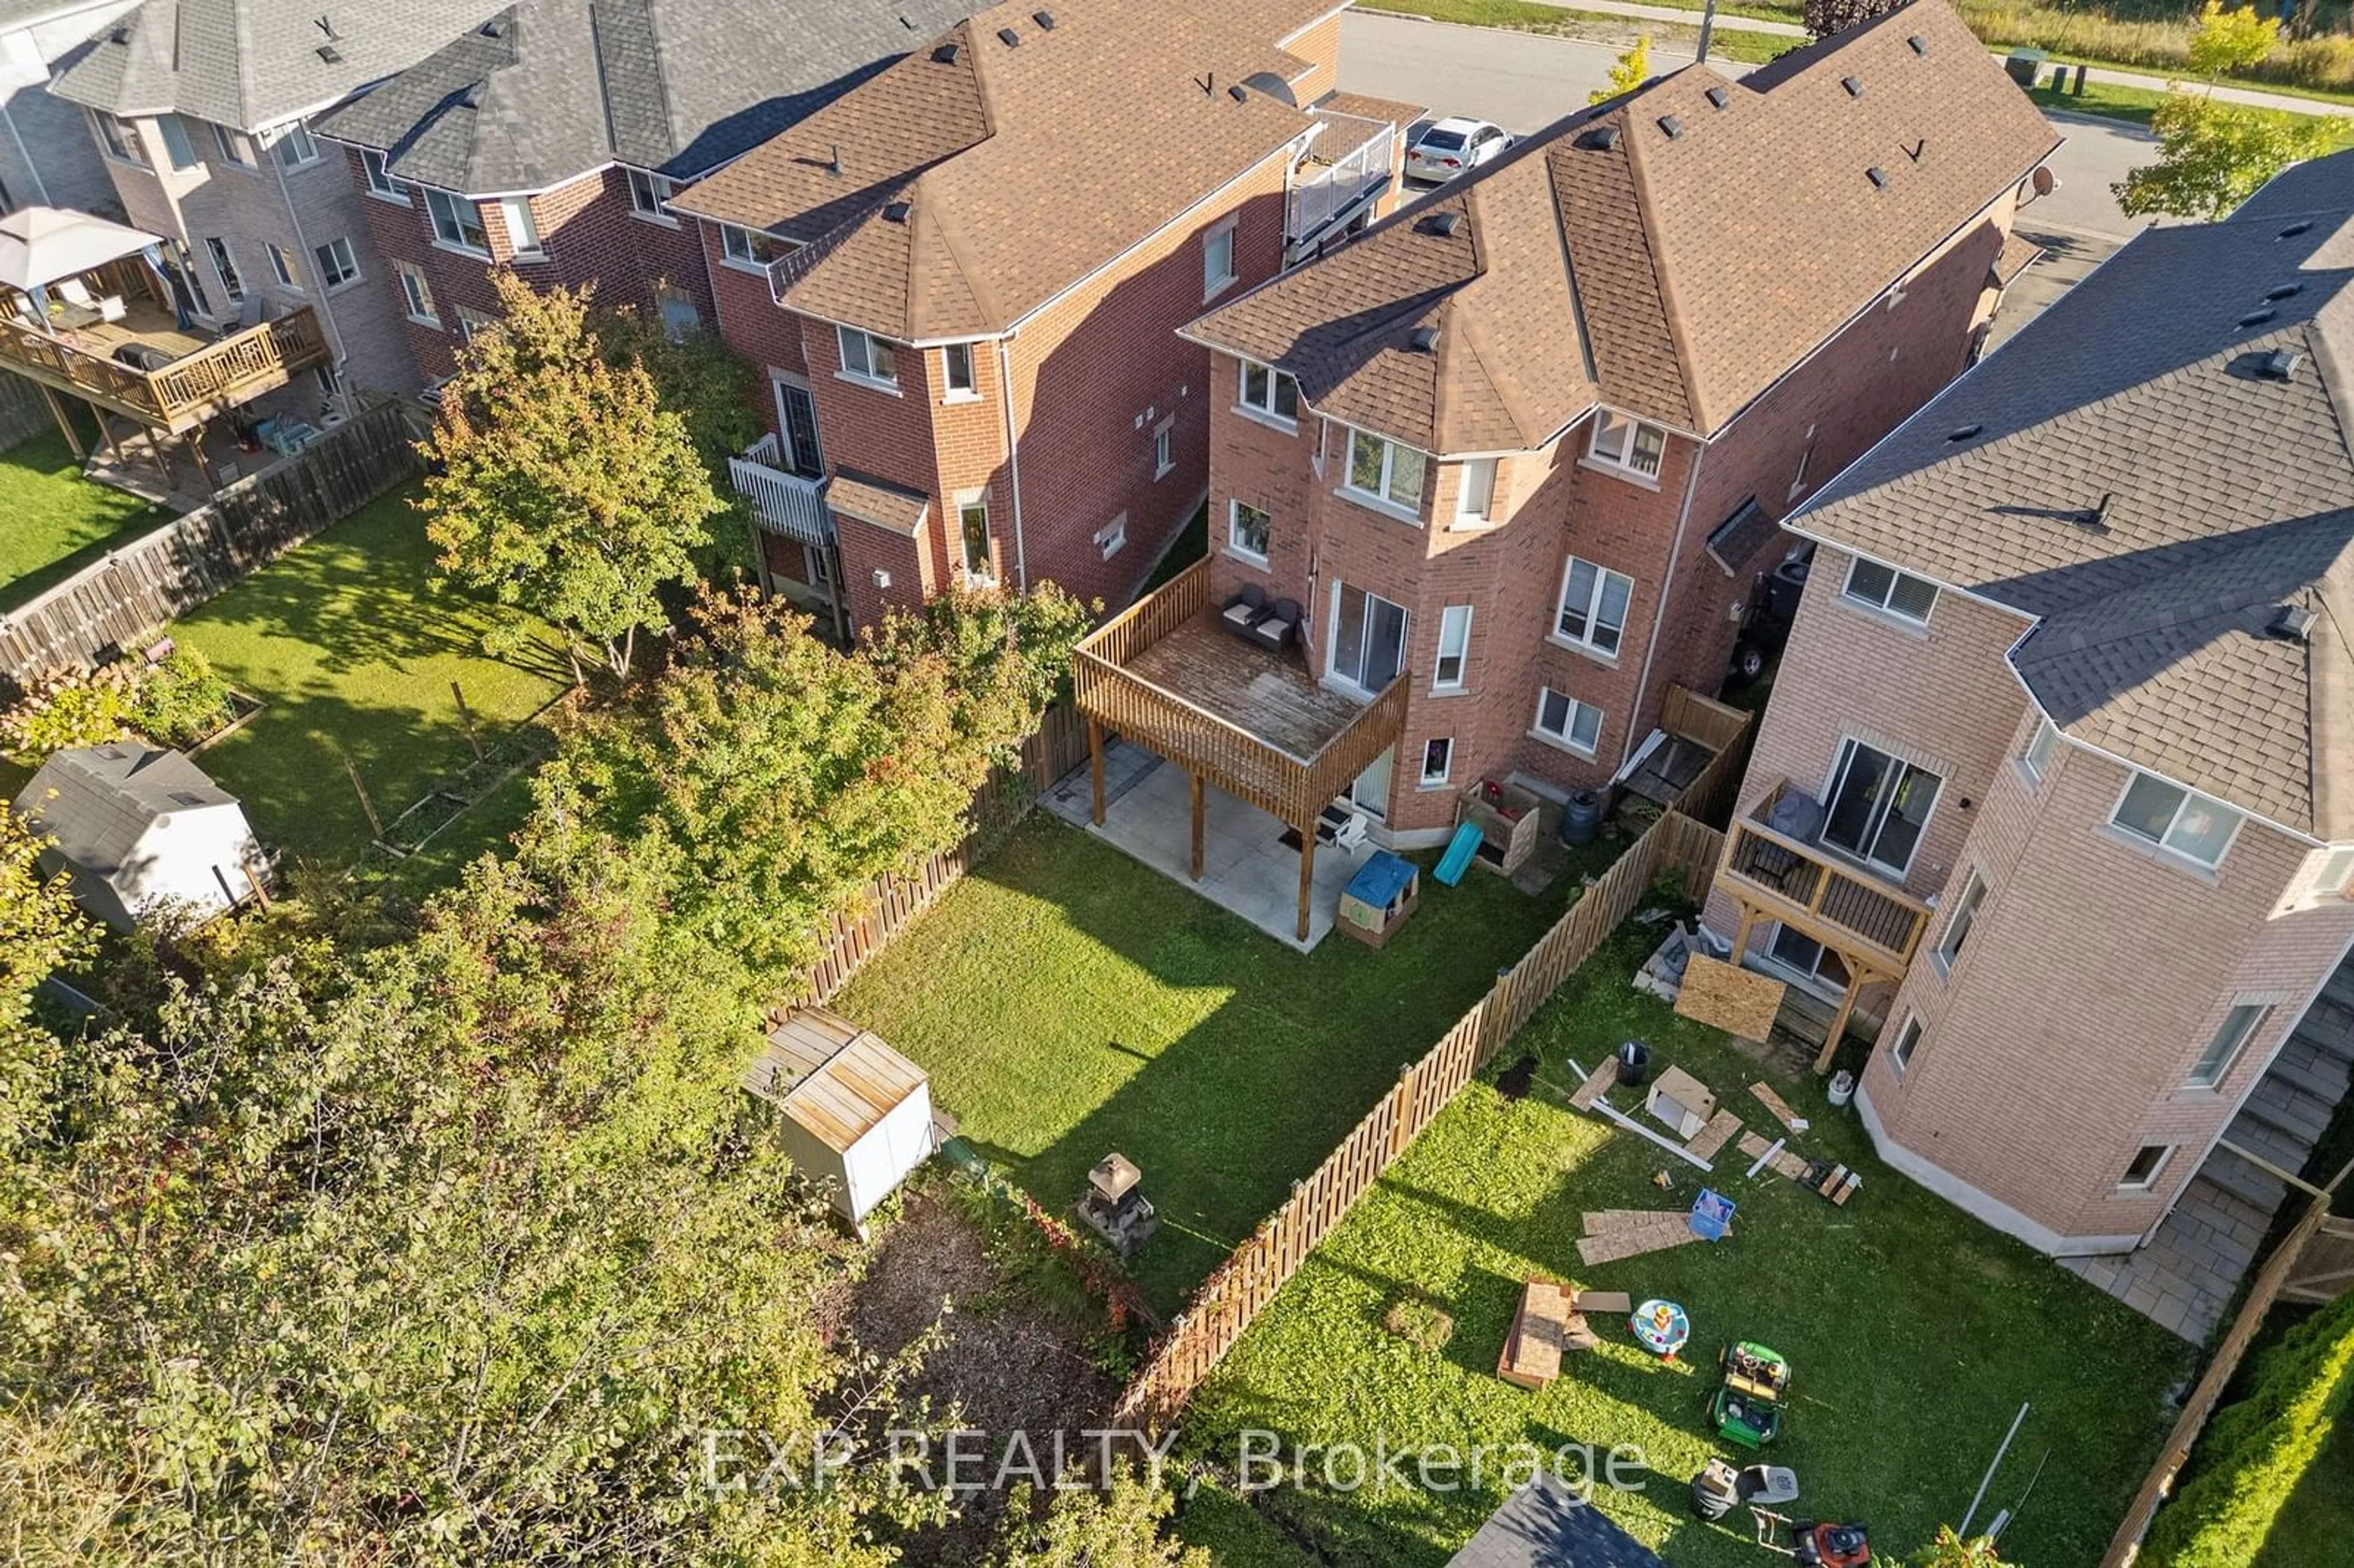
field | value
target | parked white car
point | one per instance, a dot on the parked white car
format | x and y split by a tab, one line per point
1449	146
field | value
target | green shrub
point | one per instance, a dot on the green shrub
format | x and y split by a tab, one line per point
67	707
2320	64
180	700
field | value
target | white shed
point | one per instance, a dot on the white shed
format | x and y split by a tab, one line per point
855	1113
139	830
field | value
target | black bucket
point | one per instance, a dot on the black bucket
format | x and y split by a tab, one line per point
1633	1063
1581	818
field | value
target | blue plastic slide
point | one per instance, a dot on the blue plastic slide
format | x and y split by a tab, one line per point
1459	851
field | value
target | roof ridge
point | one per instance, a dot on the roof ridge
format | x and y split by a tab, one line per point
2330	693
941	220
1671	312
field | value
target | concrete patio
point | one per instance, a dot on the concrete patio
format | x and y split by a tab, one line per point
1248	868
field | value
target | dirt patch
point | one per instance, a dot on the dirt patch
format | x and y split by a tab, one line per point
1010	1363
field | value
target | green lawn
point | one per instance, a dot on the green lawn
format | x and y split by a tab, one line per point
1069	1002
354	653
1915	1332
1747	47
53	521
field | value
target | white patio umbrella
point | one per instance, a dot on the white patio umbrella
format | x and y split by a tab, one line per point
39	245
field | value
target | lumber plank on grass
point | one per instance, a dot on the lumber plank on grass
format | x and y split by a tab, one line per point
1598	1250
1715	1135
1532	1356
1780	1108
1729	997
1597	1084
1611	1221
1605	1301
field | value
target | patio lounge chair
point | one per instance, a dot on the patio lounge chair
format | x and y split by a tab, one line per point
1273	630
75	292
1244	610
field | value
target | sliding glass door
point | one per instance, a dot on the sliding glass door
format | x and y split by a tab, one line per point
1877	807
1368	637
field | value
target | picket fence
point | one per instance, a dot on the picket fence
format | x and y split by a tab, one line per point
1240	1287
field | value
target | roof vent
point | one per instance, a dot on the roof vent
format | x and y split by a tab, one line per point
2280	364
186	798
2294	229
495	28
1046	20
1424	340
329	53
1854	85
1918	150
1009	37
1917	44
1878	176
897	211
1442	224
1673	126
947	54
2290	622
2098	517
1239	93
121	34
1963	434
2286	292
1601	139
2257	318
1718	97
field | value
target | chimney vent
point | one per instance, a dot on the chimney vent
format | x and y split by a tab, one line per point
1965	433
1854	85
2256	318
1009	37
1424	340
947	54
1442	224
1878	176
2294	229
1239	93
2280	364
2291	623
1673	126
1917	44
1602	138
1719	97
1046	20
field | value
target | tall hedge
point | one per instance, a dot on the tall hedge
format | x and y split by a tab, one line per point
2256	1449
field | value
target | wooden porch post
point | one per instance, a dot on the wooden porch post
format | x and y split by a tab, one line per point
1095	762
1195	778
65	425
1741	937
1307	873
1855	978
195	442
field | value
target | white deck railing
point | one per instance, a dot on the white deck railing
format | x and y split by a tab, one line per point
782	503
1344	183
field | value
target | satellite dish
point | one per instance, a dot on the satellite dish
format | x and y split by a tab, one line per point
2043	180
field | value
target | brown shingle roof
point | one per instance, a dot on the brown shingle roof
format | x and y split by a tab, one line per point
1701	265
2230	493
877	500
1008	196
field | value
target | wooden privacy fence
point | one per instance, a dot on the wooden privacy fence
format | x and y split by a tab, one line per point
1057	746
1241	1286
115	602
1723	729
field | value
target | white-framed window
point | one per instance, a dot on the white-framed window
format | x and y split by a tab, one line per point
338	264
2144	1169
473	324
457	222
749	248
178	146
1884	589
649	196
1112	537
972	534
1269	392
294	146
2333	879
1908	1040
1474	495
224	264
1368	640
417	291
1164	446
2042	746
235	146
380	182
1627	445
1593	602
121	141
1454	648
1218	260
1878	806
523	229
1437	760
682	318
956	373
2182	821
1247	531
1566	721
1958	924
2232	1036
1383	471
282	267
868	358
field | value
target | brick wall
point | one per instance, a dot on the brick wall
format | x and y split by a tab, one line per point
1320	46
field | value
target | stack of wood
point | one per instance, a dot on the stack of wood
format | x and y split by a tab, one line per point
1543	1326
1785	1162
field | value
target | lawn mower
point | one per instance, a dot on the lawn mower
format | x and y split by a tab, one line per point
1813	1543
1747	1406
1719	1488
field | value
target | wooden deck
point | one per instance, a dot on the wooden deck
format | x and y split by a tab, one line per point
1271	695
204	377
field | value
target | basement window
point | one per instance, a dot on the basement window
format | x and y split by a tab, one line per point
2143	1171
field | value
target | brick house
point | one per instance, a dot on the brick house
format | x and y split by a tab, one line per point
205	113
1521	446
2058	777
549	136
46	156
961	281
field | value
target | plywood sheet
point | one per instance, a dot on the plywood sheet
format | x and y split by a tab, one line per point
1729	998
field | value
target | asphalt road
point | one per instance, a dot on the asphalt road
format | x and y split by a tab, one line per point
1524	80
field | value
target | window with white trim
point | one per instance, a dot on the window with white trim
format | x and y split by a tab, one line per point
1884	589
1218	259
972	531
294	147
649	196
1164	446
1454	648
955	372
1437	760
868	358
2222	1053
177	145
1908	1040
1384	472
1628	445
1112	537
1268	391
232	281
2042	746
2144	1169
380	182
1247	531
235	146
2182	821
457	222
2334	879
1475	492
471	324
748	246
1566	721
417	291
338	264
282	265
1593	602
523	230
1958	926
121	141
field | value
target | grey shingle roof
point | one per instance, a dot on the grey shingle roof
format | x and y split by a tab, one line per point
1547	1525
97	803
551	89
251	63
2231	494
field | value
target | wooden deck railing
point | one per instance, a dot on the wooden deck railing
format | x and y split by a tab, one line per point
1278	781
1805	886
185	392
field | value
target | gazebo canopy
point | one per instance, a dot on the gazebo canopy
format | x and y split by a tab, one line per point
39	245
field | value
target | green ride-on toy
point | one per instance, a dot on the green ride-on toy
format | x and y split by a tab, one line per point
1747	1406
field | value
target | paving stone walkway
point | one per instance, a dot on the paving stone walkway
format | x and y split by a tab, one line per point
2185	1278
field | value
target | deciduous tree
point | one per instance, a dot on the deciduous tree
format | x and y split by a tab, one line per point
2211	157
1627	72
2224	41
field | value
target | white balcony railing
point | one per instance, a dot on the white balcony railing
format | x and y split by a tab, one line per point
782	503
1345	180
